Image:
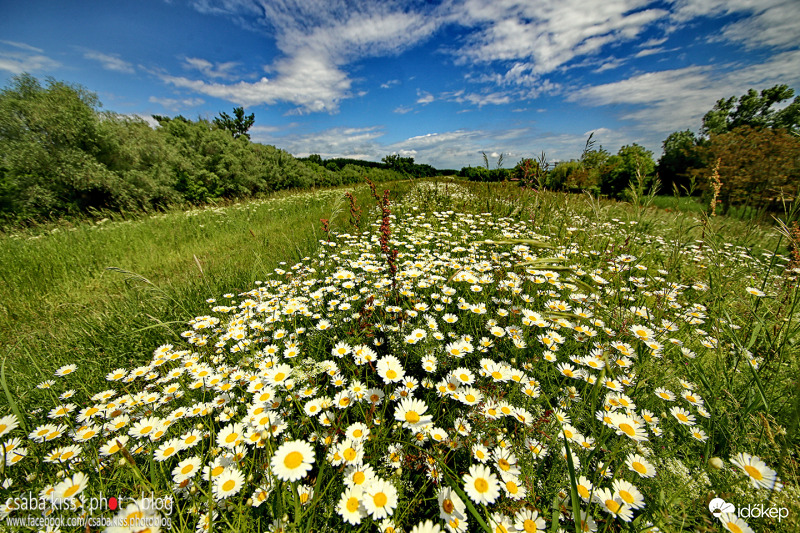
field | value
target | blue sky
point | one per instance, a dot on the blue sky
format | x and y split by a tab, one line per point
437	81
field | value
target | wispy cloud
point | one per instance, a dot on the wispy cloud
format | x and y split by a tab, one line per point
110	61
424	97
22	46
668	100
24	58
390	83
356	143
317	39
211	70
175	104
550	33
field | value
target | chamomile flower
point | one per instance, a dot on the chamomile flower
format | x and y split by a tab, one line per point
379	498
481	485
640	465
350	506
70	487
228	484
292	460
186	469
757	470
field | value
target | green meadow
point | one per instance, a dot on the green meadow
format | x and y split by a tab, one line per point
447	356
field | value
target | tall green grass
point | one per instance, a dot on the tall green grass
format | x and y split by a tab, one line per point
107	292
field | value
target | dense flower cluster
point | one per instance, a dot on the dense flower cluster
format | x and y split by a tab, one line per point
454	398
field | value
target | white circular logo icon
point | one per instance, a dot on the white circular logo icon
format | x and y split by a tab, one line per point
717	506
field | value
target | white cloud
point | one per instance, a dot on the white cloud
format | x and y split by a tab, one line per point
424	97
209	69
25	58
110	61
402	110
664	101
778	26
765	23
174	104
390	83
356	143
317	39
550	33
22	46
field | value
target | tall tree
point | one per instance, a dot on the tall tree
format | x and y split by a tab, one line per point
680	155
238	125
755	110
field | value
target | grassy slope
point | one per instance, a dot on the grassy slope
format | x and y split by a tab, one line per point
60	303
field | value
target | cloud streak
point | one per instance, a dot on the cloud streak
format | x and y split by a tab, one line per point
110	61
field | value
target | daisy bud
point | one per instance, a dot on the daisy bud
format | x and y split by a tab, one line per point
198	426
249	502
715	463
193	490
31	477
250	478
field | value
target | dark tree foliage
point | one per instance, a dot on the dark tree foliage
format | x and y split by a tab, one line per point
681	155
238	125
756	166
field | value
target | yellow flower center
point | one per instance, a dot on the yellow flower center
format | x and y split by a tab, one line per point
380	499
481	485
733	528
639	467
391	374
512	487
412	417
613	506
754	472
186	469
231	438
352	505
228	485
626	496
293	460
217	471
70	491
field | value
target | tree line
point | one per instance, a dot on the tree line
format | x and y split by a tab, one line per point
60	155
752	142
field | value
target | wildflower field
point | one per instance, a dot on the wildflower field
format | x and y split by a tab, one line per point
450	358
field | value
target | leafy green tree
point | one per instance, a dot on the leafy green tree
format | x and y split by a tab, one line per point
565	175
238	125
680	155
755	110
629	164
48	139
